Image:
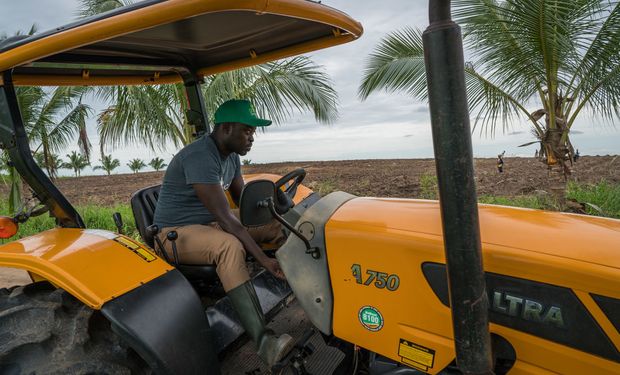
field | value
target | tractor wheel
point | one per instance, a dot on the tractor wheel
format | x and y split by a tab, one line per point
44	330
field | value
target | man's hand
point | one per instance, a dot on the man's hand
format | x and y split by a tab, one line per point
273	267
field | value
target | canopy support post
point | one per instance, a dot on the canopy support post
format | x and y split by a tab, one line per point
196	113
443	52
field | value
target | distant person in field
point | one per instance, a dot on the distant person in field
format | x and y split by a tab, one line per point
576	156
193	202
500	162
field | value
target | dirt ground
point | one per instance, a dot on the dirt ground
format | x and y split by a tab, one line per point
387	178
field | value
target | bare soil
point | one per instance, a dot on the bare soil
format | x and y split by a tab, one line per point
386	178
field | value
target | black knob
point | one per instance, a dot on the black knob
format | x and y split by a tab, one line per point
152	229
172	235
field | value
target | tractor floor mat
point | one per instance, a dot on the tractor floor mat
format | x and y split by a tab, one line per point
292	320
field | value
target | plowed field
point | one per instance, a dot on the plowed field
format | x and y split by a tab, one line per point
386	178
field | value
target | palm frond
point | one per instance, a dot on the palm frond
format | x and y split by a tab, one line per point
294	84
59	135
277	89
140	115
396	64
595	72
490	104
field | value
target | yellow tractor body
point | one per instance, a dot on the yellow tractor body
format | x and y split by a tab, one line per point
370	273
548	275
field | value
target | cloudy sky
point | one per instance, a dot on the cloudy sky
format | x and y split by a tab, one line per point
383	126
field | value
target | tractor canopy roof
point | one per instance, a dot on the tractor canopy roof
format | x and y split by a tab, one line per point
155	41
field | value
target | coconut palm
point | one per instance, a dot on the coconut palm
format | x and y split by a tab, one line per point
52	117
108	164
157	163
54	163
153	115
544	61
136	165
77	162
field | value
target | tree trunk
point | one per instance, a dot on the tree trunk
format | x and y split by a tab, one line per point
558	152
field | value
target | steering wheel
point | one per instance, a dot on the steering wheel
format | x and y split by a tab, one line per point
284	201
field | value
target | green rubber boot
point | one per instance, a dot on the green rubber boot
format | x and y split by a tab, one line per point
271	348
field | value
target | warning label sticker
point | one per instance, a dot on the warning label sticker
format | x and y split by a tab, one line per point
136	248
416	356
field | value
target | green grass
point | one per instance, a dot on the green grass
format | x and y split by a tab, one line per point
603	195
323	187
95	217
428	186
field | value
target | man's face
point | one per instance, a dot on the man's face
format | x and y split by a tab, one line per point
240	138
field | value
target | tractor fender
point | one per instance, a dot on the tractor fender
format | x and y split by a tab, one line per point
148	303
95	266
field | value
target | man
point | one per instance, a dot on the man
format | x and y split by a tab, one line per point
192	201
500	162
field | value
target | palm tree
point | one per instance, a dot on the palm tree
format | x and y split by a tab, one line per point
54	163
77	162
108	164
153	115
560	57
52	118
157	163
136	164
40	112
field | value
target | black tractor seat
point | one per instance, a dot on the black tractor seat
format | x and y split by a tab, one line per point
143	203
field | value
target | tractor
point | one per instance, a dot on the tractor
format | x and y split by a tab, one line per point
374	286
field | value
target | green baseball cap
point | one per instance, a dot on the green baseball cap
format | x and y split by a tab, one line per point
239	111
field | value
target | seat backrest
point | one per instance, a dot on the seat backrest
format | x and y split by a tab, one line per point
143	203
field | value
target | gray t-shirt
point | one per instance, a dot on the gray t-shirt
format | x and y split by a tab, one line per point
197	163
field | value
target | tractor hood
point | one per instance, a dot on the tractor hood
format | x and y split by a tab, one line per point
155	41
538	241
577	237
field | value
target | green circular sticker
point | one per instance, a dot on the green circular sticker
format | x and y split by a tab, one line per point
370	318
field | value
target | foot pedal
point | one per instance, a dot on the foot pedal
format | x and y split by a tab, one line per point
295	360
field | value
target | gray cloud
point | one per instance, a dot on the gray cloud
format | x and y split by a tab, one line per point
20	15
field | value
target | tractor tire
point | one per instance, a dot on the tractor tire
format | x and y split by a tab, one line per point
44	330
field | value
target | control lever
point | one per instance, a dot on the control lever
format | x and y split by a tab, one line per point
172	237
118	221
153	231
313	251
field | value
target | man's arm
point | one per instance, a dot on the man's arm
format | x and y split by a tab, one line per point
213	198
235	188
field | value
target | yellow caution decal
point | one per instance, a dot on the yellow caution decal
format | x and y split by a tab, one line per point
141	251
416	356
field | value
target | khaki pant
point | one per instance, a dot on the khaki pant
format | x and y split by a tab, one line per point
210	244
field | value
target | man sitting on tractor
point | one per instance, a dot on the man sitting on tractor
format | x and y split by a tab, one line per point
193	202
